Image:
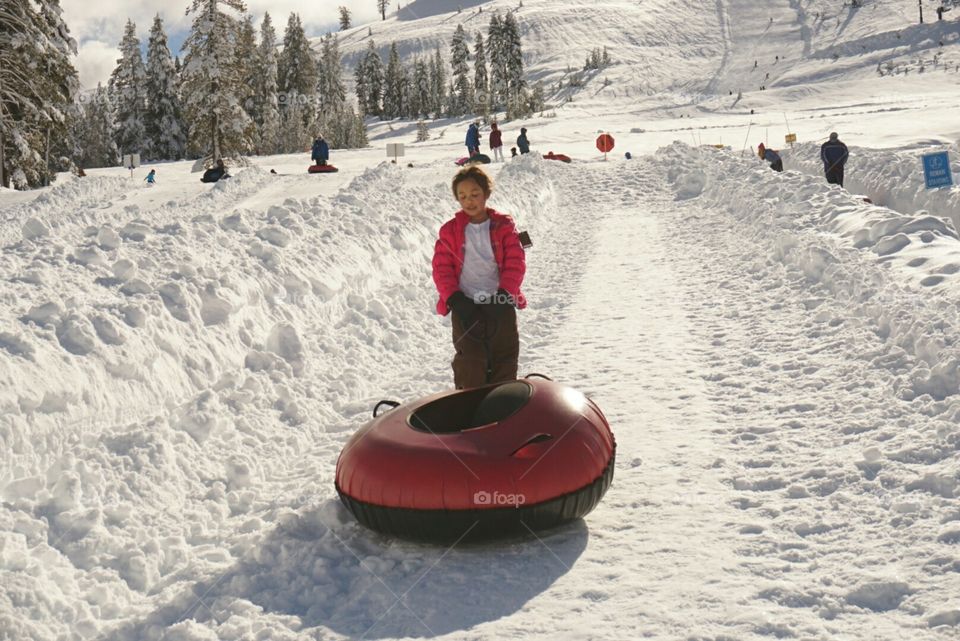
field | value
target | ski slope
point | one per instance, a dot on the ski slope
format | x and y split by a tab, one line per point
779	360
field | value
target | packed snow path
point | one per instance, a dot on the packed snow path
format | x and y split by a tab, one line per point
785	410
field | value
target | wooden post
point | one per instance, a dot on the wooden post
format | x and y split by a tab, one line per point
920	4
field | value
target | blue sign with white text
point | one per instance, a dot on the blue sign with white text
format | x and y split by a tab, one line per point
936	170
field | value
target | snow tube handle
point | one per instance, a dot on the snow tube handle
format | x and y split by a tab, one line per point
536	375
376	408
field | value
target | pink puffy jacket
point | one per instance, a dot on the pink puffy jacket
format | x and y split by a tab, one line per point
448	256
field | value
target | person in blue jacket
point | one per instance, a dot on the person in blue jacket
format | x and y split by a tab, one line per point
321	151
834	155
473	139
771	156
522	141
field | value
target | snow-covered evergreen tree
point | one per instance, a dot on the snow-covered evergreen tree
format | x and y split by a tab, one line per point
94	132
268	126
332	94
211	76
438	84
460	62
38	85
297	71
339	124
246	53
128	95
481	80
344	18
513	51
497	52
393	86
165	130
423	132
421	102
370	81
382	8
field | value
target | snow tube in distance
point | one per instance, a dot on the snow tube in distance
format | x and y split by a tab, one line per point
322	169
560	157
477	464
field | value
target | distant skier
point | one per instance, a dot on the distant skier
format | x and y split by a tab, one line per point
473	139
151	178
771	156
478	268
522	142
496	142
321	151
834	155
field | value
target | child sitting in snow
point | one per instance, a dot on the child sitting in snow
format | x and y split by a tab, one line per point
478	267
151	178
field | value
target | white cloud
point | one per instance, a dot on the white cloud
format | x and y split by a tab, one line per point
95	62
98	25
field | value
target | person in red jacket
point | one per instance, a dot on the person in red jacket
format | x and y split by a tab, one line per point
496	141
478	267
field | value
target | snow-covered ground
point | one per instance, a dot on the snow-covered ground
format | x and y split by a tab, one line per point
779	360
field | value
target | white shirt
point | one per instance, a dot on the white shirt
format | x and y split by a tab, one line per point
480	276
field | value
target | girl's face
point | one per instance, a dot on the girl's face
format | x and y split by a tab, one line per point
472	199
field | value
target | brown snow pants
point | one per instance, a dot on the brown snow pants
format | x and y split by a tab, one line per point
491	346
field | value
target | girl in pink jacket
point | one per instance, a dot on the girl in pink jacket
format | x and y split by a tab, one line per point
478	267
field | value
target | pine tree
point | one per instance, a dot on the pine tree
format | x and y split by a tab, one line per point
438	84
420	99
344	18
423	133
268	126
382	7
393	86
297	71
127	83
331	92
459	61
38	85
165	130
340	125
514	61
481	81
496	49
246	53
94	132
370	81
218	124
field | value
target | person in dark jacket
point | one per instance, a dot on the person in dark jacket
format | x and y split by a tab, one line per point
496	141
522	142
473	139
771	156
215	173
834	155
321	151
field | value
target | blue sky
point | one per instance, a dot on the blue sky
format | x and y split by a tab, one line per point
98	25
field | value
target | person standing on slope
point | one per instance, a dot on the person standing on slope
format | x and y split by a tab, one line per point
496	142
321	151
522	142
771	156
478	268
473	139
834	155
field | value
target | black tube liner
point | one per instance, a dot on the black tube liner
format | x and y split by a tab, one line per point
448	526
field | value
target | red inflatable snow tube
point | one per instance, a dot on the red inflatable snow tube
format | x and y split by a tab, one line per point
322	169
504	459
560	157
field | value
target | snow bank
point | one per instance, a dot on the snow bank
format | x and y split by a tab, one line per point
897	273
